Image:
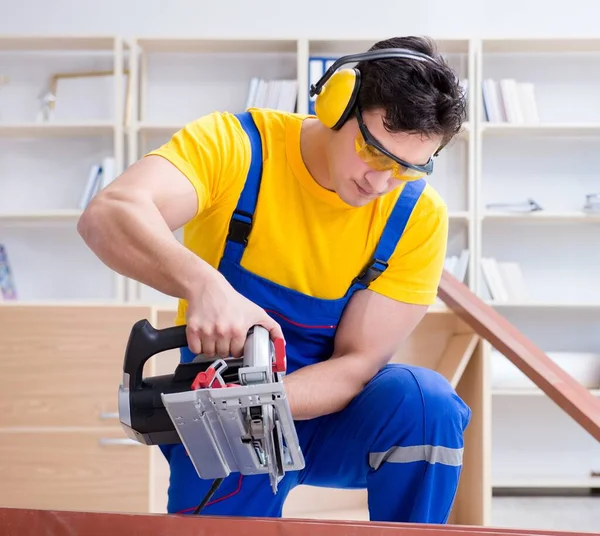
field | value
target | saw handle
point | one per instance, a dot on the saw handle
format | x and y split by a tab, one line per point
145	341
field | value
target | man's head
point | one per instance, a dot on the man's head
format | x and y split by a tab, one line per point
405	109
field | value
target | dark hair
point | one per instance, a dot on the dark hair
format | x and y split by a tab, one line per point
418	96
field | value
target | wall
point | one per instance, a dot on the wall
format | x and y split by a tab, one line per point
310	18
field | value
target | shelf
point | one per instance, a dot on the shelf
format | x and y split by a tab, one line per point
57	43
548	305
530	392
548	129
530	45
459	215
42	216
577	217
336	46
547	483
157	129
217	45
22	130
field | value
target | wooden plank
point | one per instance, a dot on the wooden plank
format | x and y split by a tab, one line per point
23	522
554	381
474	495
456	357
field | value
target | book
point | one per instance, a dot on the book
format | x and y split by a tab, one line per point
7	284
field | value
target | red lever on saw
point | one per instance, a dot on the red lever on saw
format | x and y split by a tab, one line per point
206	379
280	364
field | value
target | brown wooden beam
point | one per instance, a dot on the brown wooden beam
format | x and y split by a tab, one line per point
553	380
24	522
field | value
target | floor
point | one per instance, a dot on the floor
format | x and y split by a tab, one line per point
547	513
580	513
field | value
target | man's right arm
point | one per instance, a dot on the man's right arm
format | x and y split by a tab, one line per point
129	225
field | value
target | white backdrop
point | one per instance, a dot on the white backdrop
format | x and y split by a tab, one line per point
309	18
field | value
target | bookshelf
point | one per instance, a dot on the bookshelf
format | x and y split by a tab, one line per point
47	157
224	69
549	156
173	80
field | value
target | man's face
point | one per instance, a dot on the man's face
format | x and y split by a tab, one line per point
354	180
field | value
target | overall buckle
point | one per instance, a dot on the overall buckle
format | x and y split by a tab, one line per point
371	272
239	229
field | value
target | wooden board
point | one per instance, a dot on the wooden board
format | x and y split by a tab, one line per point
22	522
555	382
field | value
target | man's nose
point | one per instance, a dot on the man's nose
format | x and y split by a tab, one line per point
378	180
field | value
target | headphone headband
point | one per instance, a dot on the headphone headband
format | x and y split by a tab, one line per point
383	53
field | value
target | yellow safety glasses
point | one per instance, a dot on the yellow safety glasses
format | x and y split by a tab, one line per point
378	158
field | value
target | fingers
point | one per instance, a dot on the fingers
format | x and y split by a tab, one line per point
237	343
274	328
209	346
200	340
227	339
216	340
193	340
222	344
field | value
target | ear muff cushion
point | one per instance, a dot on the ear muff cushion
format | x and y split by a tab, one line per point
335	101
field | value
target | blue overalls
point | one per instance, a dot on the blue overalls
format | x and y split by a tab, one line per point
401	437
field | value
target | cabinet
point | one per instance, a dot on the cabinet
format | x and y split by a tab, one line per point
61	443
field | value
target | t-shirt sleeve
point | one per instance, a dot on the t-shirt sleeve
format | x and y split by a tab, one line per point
211	152
415	268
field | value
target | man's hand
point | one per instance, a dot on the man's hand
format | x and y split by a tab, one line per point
218	318
369	334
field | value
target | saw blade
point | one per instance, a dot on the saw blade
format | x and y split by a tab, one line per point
269	443
278	448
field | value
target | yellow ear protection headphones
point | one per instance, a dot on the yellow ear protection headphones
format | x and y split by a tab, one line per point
337	90
336	93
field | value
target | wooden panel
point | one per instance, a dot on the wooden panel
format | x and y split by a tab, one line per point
310	502
569	394
159	481
165	362
428	341
62	365
473	501
29	522
456	356
74	470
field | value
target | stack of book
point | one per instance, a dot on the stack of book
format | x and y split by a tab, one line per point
509	101
504	280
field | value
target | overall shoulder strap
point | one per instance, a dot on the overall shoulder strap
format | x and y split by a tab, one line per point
393	231
240	224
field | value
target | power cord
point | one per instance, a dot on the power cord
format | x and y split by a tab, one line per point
215	486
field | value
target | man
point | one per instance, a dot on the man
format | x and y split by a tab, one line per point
323	230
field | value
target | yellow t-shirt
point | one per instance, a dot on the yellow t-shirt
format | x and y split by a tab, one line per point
304	237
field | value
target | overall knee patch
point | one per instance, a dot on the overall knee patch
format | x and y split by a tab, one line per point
421	418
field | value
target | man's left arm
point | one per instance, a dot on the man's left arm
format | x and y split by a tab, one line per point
378	320
371	330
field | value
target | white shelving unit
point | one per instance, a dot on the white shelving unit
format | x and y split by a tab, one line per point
174	80
45	163
554	161
178	80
